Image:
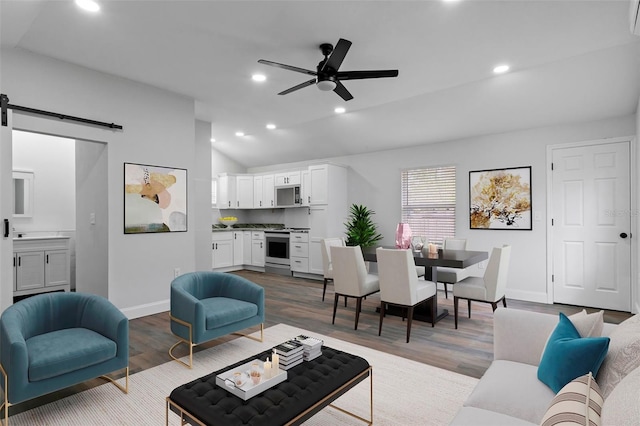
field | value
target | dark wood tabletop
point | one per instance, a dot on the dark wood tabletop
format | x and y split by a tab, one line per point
448	258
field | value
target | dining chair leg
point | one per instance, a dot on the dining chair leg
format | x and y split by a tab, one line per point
469	307
494	306
358	307
434	313
381	317
504	301
324	290
335	306
409	318
455	311
345	301
446	294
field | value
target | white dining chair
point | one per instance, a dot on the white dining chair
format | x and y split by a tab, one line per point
327	267
490	288
447	275
350	277
400	286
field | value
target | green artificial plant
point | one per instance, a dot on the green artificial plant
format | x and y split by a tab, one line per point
361	230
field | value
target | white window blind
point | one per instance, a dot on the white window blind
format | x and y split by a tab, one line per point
429	202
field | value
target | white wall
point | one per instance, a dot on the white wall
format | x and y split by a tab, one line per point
638	188
159	129
374	180
52	160
202	177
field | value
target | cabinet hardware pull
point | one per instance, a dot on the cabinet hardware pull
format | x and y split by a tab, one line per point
19	260
47	258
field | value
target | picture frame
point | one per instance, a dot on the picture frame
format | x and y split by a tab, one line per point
155	199
500	199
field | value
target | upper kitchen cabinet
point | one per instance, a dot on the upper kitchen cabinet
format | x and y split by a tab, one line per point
235	191
287	178
325	180
263	191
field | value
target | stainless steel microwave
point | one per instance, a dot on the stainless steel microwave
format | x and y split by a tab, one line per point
288	196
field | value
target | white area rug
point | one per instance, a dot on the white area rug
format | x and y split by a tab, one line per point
405	392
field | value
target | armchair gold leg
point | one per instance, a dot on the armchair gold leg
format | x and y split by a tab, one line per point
188	343
5	404
125	388
248	336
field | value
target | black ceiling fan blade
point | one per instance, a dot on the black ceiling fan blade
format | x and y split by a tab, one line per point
342	91
287	67
298	87
358	75
338	54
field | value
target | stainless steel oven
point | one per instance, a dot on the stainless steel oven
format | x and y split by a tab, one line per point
276	256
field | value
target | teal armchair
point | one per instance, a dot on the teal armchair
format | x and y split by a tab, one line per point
207	305
55	340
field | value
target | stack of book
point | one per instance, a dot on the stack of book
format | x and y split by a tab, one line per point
312	347
289	353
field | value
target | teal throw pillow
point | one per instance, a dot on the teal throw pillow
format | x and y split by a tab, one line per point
568	356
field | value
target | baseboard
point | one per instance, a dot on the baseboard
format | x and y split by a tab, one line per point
146	309
527	296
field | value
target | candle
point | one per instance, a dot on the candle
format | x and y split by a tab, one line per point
275	358
267	369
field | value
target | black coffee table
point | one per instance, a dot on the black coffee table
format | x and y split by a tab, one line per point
309	388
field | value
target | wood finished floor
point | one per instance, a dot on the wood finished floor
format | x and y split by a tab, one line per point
298	302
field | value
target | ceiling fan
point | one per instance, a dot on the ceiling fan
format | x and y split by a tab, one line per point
327	76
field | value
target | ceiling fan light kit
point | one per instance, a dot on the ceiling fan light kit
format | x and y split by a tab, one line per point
327	76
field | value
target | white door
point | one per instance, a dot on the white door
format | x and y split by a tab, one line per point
6	214
591	229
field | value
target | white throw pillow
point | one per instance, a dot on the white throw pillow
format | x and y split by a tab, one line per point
623	356
588	325
579	402
622	406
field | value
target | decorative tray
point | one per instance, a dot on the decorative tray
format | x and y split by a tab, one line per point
247	389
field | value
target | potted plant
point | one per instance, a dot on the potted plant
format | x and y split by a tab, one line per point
361	230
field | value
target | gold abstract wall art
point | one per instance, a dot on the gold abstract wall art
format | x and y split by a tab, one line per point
155	199
500	199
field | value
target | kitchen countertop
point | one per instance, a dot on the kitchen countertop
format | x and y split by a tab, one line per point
247	227
48	237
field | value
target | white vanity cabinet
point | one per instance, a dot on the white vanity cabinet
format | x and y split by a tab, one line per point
40	265
222	249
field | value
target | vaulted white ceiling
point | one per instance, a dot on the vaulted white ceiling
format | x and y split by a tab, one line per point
571	61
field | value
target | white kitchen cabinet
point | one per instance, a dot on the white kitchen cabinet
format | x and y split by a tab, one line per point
246	247
226	191
244	191
319	184
263	191
328	209
238	248
257	248
287	178
41	264
222	249
235	191
299	251
305	187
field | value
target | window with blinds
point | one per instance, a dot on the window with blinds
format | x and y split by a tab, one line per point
429	202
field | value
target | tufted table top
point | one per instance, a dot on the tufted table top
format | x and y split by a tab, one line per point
307	385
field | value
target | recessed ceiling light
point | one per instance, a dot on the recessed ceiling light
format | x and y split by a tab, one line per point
88	5
501	69
258	77
270	126
212	140
239	133
339	110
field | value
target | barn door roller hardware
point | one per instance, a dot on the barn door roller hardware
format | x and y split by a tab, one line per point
4	105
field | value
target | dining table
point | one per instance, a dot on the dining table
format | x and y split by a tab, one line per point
431	261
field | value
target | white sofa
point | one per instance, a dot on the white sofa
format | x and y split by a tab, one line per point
510	393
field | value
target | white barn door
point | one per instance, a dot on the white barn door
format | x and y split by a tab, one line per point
591	213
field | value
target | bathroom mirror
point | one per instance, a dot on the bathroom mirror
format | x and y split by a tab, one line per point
22	194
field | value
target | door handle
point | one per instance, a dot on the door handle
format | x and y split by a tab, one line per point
623	235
